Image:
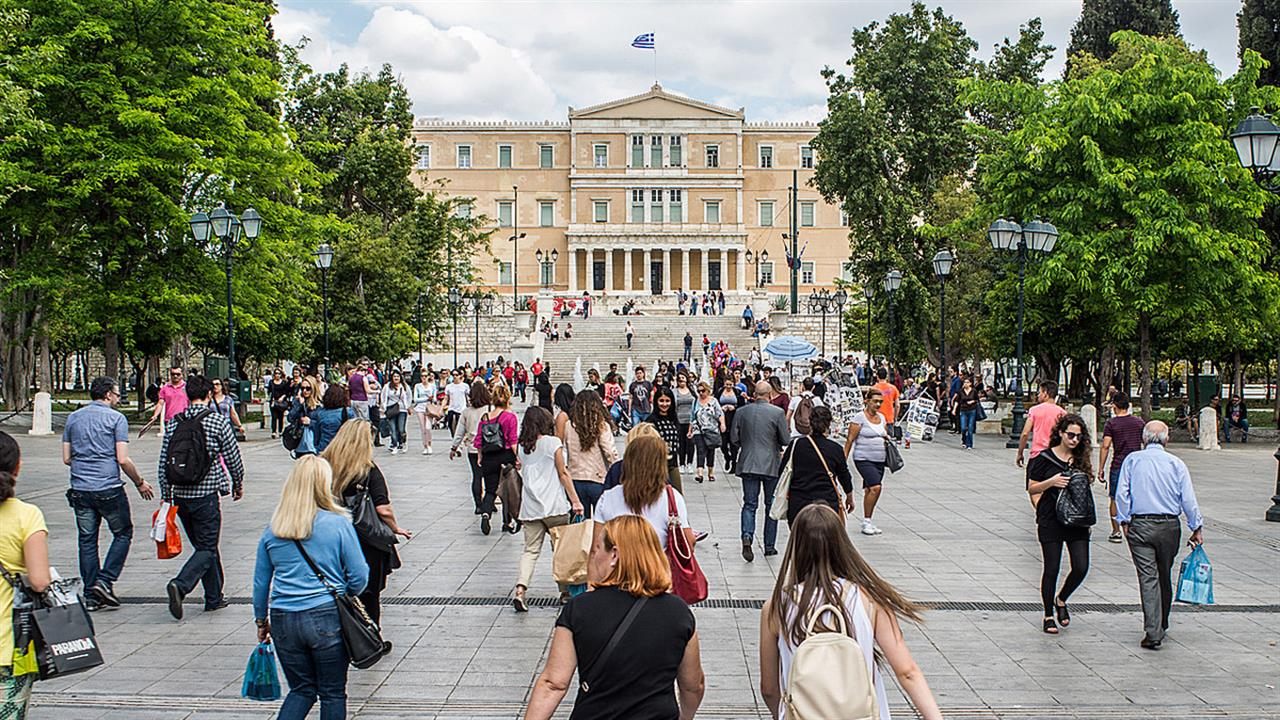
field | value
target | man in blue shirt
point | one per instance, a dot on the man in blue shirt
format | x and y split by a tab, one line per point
1154	488
95	445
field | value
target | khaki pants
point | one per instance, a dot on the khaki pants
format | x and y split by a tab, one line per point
535	531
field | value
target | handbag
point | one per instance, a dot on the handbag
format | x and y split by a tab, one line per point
261	681
392	410
687	578
1074	507
782	491
892	456
585	671
980	413
52	632
510	489
369	525
291	438
571	551
361	636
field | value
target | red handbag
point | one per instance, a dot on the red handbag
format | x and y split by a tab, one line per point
687	579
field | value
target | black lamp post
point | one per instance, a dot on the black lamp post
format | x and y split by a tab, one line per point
549	259
762	256
841	298
868	292
228	228
516	237
324	261
824	302
419	308
479	301
455	299
1255	140
942	262
1009	236
892	281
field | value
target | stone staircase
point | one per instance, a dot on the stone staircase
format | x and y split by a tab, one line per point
602	339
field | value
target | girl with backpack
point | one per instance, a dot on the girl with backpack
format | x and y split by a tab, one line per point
819	631
707	431
496	439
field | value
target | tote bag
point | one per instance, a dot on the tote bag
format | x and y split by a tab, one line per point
687	578
570	551
782	491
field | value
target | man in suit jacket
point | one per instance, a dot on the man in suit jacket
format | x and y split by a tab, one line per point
760	430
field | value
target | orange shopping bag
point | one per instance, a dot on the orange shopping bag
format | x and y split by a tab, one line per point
164	530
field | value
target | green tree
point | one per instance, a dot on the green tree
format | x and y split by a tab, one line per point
1259	27
1158	220
894	132
1100	19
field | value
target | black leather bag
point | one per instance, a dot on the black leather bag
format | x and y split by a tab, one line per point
291	438
892	456
360	634
369	525
1075	502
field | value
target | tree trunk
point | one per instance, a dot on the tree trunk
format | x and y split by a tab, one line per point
111	354
1144	363
1277	376
17	351
1105	374
1237	374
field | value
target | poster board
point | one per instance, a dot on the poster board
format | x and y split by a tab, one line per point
921	419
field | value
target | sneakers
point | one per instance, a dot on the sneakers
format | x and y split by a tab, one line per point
1116	537
104	596
869	528
428	451
747	553
175	599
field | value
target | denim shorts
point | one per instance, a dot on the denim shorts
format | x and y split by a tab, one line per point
1113	480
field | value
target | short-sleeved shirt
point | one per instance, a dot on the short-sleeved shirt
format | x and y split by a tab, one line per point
869	445
640	391
612	505
93	431
175	399
890	394
18	521
1125	432
542	495
457	393
638	680
1043	416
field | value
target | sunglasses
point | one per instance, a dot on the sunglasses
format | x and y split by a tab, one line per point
1073	435
306	388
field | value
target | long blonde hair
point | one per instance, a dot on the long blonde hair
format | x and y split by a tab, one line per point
312	401
305	492
350	453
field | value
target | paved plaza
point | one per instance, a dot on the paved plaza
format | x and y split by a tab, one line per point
958	534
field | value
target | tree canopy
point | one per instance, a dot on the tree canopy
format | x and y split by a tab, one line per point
1100	19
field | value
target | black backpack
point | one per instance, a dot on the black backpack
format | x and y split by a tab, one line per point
1075	502
187	460
492	439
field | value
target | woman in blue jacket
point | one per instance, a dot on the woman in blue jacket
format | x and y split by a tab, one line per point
326	419
303	619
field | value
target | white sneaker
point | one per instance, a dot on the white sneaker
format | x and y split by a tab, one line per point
426	451
875	530
868	528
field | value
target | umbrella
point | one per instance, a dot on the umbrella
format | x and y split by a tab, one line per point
789	348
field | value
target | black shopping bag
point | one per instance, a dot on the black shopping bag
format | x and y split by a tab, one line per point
65	642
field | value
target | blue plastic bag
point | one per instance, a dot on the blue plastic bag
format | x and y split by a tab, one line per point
308	444
261	682
1195	579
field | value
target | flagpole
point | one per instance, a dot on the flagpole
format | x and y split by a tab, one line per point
655	63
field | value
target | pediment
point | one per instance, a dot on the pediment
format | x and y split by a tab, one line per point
657	104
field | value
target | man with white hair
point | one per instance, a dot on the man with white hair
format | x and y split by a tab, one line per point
1154	488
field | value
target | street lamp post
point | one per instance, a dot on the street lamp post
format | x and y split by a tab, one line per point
1035	236
455	299
820	302
420	364
892	281
228	228
479	301
868	292
549	259
762	256
516	237
840	297
942	262
324	261
1255	140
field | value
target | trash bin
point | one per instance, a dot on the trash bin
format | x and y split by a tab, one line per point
1203	387
215	366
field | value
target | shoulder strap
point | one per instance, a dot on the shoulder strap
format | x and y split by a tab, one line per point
316	569
604	654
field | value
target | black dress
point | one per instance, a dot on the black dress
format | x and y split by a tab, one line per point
1048	527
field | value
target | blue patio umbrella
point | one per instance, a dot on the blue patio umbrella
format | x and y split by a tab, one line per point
790	348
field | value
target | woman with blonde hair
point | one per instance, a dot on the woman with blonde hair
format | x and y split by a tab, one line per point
821	567
589	448
630	596
305	402
350	454
303	620
613	478
496	451
644	490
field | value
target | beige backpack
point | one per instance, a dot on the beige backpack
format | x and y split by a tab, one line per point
829	678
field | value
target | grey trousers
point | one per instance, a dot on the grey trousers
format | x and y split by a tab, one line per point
1154	546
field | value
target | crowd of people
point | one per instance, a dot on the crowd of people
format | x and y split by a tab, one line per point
335	528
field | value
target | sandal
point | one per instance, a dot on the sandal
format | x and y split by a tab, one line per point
1050	627
1064	617
520	604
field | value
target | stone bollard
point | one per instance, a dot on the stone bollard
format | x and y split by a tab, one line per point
1090	415
42	415
1209	429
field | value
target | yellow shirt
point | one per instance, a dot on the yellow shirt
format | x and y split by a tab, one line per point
18	521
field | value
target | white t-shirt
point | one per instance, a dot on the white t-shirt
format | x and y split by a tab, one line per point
612	505
457	394
869	444
795	403
543	495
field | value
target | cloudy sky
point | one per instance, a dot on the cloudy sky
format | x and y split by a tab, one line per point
481	59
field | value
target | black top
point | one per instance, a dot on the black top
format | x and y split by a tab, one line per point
280	392
639	681
669	429
381	562
809	479
966	401
1048	527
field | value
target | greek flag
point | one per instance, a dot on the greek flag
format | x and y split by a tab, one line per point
644	42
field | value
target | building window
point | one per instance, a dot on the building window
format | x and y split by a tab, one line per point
844	218
846	271
655	205
806	156
806	214
766	156
713	156
504	156
655	151
676	152
504	273
766	273
424	157
506	210
766	213
637	151
677	205
548	274
463	210
546	213
711	212
601	153
546	156
464	156
806	273
601	211
637	206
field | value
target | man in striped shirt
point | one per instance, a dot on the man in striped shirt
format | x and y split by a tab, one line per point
199	505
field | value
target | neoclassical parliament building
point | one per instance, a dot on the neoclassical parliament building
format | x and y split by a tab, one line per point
637	197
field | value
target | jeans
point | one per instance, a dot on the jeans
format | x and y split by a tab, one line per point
706	456
91	508
424	423
1153	544
589	494
968	420
309	645
751	486
1244	429
637	417
202	519
688	353
629	336
396	423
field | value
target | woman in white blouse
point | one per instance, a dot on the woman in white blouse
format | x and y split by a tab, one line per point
547	496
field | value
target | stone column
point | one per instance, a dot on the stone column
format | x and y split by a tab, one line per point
646	270
573	271
685	256
666	270
706	269
608	269
627	283
741	264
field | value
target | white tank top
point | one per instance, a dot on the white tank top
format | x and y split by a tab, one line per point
862	632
